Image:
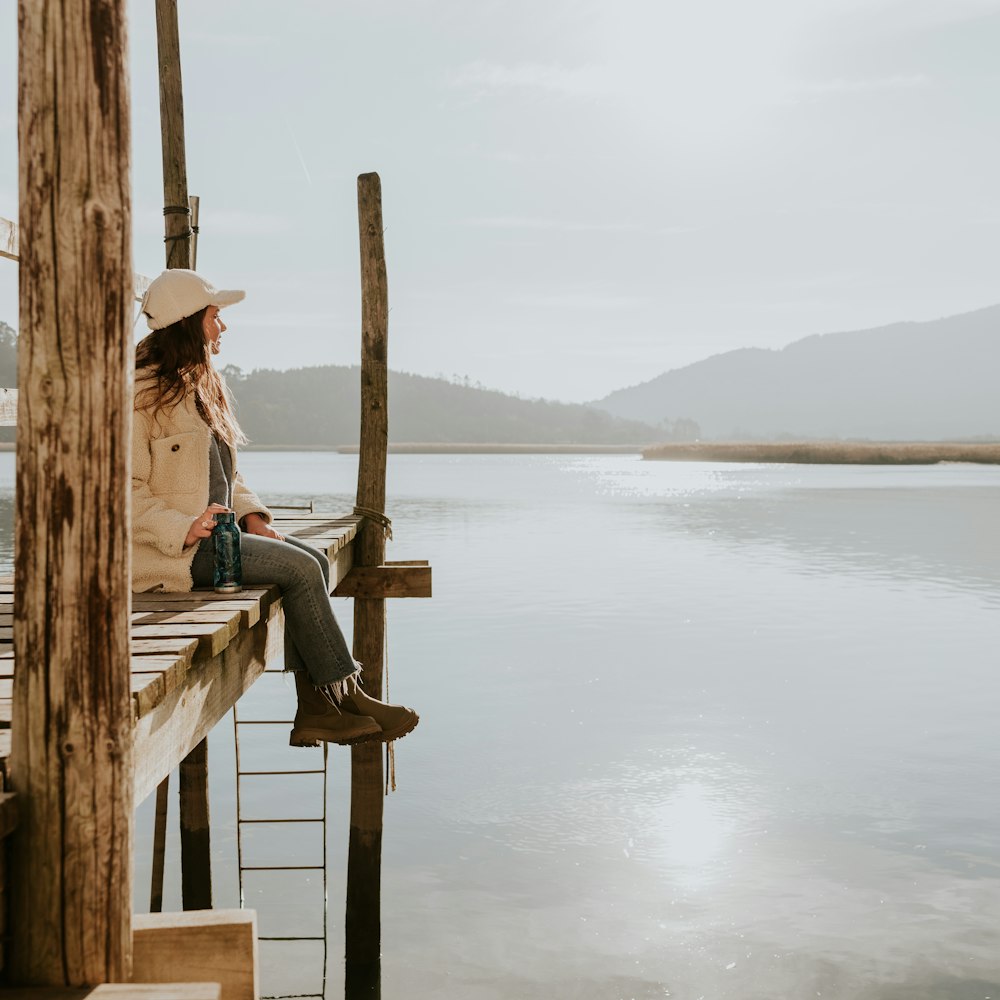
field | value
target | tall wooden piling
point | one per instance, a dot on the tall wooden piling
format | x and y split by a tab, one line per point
196	854
363	927
176	206
71	760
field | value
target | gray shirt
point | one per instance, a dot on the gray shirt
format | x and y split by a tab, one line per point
220	478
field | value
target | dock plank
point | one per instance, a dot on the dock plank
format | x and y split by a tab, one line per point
185	616
165	600
164	646
212	638
249	609
148	690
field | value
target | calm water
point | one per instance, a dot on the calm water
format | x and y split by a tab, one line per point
688	730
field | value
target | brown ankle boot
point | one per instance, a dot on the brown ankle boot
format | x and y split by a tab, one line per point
394	720
316	720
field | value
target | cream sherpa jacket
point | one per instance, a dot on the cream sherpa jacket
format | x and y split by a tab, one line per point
170	474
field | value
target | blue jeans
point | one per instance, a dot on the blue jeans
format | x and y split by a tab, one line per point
313	640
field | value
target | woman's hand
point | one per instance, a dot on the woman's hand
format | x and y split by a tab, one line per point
202	525
255	524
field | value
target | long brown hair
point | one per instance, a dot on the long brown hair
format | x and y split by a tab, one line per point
180	358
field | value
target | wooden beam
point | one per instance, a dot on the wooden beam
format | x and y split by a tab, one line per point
341	563
364	862
196	850
159	847
195	203
71	761
217	943
386	581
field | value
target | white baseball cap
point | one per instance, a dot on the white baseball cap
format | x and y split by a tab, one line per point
178	293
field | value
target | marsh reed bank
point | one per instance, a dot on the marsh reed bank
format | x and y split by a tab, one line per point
829	452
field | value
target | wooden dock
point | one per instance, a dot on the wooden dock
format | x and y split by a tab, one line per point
193	654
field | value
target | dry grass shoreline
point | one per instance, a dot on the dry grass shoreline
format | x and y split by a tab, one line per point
829	452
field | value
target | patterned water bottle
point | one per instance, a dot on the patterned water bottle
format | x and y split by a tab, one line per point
228	577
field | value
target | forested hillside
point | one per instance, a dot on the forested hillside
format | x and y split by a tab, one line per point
319	407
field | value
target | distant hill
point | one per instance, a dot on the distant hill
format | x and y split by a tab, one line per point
319	407
908	381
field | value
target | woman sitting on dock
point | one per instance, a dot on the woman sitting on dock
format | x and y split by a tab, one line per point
184	471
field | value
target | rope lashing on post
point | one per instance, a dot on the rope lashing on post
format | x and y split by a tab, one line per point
187	234
378	517
179	210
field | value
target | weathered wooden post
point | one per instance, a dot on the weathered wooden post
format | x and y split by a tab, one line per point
363	927
71	757
196	857
176	206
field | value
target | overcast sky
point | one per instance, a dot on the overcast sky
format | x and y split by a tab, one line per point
578	195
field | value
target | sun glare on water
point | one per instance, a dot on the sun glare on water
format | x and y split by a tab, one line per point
694	832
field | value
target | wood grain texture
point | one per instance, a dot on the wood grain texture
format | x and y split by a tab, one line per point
71	759
221	944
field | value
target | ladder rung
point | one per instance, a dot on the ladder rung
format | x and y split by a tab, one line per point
299	938
307	819
281	868
265	773
264	722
